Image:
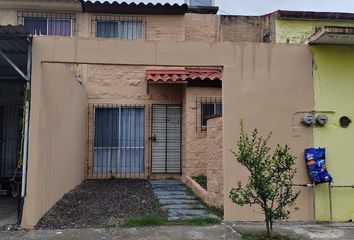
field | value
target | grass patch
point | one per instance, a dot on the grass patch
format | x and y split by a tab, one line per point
202	180
145	220
195	221
216	211
249	236
158	220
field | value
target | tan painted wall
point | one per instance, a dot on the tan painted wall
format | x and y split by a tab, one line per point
251	73
57	138
214	171
269	90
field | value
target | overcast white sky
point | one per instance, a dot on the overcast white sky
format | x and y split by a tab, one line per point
259	7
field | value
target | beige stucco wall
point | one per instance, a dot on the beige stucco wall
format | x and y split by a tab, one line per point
268	90
214	171
57	137
251	73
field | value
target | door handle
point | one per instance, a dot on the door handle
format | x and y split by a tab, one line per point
153	138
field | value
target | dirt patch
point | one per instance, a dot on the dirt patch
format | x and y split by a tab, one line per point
100	203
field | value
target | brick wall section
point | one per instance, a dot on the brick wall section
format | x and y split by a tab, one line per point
201	27
194	160
118	84
170	27
240	28
214	162
247	28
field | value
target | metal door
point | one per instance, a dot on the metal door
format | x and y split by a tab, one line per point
166	139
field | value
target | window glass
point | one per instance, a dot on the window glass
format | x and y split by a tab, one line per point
48	26
119	29
61	27
36	26
201	2
209	109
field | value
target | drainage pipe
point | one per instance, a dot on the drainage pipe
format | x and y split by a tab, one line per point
26	126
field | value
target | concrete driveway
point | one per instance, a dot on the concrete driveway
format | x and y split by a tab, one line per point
217	232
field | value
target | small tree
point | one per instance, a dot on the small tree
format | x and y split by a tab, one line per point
271	178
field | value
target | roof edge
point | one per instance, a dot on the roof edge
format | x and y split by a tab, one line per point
133	8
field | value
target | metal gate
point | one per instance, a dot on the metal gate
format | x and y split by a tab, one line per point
166	139
119	141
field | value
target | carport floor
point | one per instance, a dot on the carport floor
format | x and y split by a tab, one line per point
177	201
8	211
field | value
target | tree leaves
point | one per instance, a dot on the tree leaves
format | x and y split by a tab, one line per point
271	177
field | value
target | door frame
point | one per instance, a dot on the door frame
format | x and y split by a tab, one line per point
151	136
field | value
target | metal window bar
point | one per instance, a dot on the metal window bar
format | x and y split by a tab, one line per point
206	107
116	141
48	23
121	27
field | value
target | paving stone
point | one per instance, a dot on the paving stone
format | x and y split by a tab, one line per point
184	206
168	196
179	203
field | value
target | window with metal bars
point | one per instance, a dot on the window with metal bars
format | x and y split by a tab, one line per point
121	27
206	108
118	141
47	23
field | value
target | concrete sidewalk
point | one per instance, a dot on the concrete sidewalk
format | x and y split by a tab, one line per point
217	232
301	230
230	231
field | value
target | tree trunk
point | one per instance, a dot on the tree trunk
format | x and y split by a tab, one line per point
269	225
268	228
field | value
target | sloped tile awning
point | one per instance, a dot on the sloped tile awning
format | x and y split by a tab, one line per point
184	75
332	35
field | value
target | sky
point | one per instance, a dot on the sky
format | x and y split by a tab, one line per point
259	7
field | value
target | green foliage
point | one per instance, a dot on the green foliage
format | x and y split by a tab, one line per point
201	180
158	220
216	211
271	177
249	236
145	220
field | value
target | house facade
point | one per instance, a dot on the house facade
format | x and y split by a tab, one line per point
117	90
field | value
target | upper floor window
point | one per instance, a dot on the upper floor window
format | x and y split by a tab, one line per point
60	24
119	27
200	2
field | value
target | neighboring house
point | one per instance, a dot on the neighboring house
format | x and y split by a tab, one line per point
330	36
138	90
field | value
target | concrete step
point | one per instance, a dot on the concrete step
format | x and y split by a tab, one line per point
191	217
187	212
160	192
174	197
184	206
169	196
166	182
177	201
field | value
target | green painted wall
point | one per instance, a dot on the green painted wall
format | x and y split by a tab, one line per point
298	30
334	95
